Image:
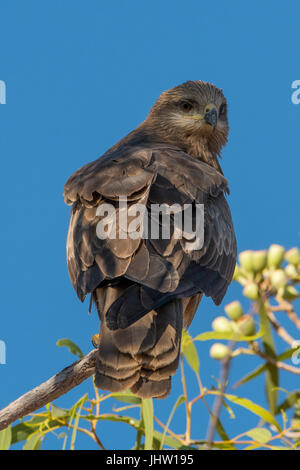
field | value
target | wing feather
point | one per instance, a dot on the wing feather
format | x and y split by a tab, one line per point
150	175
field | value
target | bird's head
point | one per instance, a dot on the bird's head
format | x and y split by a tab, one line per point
193	116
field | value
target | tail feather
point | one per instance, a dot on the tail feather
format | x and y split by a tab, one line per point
143	356
151	389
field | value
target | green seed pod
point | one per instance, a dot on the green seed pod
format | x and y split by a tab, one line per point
293	256
246	325
222	325
278	278
234	310
246	258
251	291
219	351
259	260
275	256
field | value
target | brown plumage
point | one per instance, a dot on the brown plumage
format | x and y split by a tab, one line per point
145	290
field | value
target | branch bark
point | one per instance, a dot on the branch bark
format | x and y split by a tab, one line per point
219	400
53	388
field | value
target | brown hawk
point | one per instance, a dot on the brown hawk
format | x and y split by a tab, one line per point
147	288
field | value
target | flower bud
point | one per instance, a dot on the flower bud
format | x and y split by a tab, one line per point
219	351
293	256
251	291
246	325
259	260
245	258
236	273
289	293
275	256
291	271
278	278
222	325
234	310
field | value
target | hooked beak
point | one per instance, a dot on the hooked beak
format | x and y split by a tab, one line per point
211	115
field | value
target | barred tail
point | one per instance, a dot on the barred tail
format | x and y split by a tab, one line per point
143	356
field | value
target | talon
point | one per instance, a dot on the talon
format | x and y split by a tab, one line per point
96	341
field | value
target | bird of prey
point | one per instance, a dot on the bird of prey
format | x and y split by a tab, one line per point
147	288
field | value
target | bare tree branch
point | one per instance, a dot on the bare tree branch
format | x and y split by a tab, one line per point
219	400
279	328
53	388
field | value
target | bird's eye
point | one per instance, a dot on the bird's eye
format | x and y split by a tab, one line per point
186	106
222	110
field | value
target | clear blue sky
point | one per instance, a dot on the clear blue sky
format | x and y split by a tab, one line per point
80	75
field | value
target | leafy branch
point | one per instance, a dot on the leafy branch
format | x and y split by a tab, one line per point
269	280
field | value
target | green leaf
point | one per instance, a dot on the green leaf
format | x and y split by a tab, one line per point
231	336
34	441
73	348
59	412
5	438
287	354
223	434
38	423
20	432
216	445
138	445
259	435
289	402
259	370
79	406
253	407
190	352
231	413
280	448
169	441
37	420
147	416
297	444
272	375
126	397
179	401
221	430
